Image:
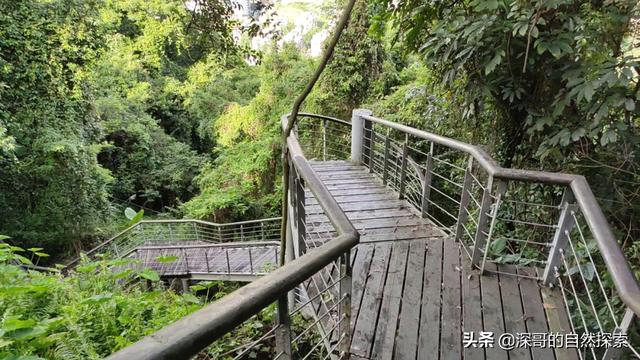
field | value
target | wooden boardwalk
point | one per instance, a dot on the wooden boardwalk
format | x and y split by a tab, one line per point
236	261
414	293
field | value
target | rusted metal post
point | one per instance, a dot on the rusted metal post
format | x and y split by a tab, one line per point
372	138
324	139
560	238
301	226
483	223
494	218
385	168
283	332
464	199
403	166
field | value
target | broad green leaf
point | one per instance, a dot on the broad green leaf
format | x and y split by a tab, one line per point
98	299
149	275
12	324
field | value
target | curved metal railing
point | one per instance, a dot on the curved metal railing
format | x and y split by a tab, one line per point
191	334
181	231
547	224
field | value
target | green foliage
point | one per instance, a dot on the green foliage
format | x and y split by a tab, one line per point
243	181
87	315
51	188
355	66
551	85
108	98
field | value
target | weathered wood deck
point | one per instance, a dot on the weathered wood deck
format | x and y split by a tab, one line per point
414	293
236	262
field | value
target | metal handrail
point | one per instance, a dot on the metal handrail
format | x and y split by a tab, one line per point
124	232
189	335
623	278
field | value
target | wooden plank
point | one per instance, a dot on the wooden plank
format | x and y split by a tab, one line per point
374	223
333	167
429	336
451	338
364	331
371	185
343	176
407	337
356	191
404	231
471	307
534	315
360	206
492	310
512	309
346	199
390	307
360	271
373	214
557	319
350	181
379	235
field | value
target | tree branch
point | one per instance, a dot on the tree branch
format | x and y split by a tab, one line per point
293	117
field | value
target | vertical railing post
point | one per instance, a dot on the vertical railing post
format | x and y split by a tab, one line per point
344	314
324	139
483	223
301	215
560	238
403	165
241	232
464	199
283	332
622	328
372	138
206	260
170	233
186	260
494	218
357	134
226	253
385	161
426	187
195	230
